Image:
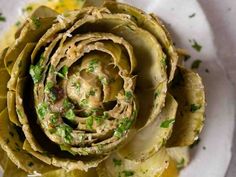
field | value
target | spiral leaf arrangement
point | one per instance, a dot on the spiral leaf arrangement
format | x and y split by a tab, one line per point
93	88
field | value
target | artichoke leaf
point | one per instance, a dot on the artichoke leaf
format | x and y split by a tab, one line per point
180	155
65	163
152	24
188	90
12	144
116	165
11	106
21	66
23	119
3	81
139	148
3	159
11	170
32	31
74	173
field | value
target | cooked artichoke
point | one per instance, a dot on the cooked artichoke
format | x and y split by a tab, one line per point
96	91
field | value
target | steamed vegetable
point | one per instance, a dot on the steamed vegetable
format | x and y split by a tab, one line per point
96	92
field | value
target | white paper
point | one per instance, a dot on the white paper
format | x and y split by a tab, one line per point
218	132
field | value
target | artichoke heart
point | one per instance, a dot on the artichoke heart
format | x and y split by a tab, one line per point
96	91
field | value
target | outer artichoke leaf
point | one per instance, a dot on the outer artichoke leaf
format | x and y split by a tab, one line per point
3	81
11	170
115	166
188	90
139	148
21	66
31	32
11	106
21	84
42	12
152	24
2	56
96	2
74	173
12	144
3	159
180	155
66	163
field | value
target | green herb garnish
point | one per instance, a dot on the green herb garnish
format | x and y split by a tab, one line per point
128	173
54	118
196	46
91	93
124	125
128	95
70	115
67	104
92	65
117	162
167	123
192	15
89	123
181	163
65	131
63	72
77	86
194	107
2	18
36	73
36	21
196	64
42	110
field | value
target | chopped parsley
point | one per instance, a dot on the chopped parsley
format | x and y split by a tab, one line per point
53	118
83	103
89	123
163	61
194	107
67	104
128	173
181	163
91	93
36	21
70	115
2	18
92	65
167	123
192	15
156	94
117	162
128	95
196	64
196	46
65	131
49	90
63	72
42	110
77	86
124	125
36	73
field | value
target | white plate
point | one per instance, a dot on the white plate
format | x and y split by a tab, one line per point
212	156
